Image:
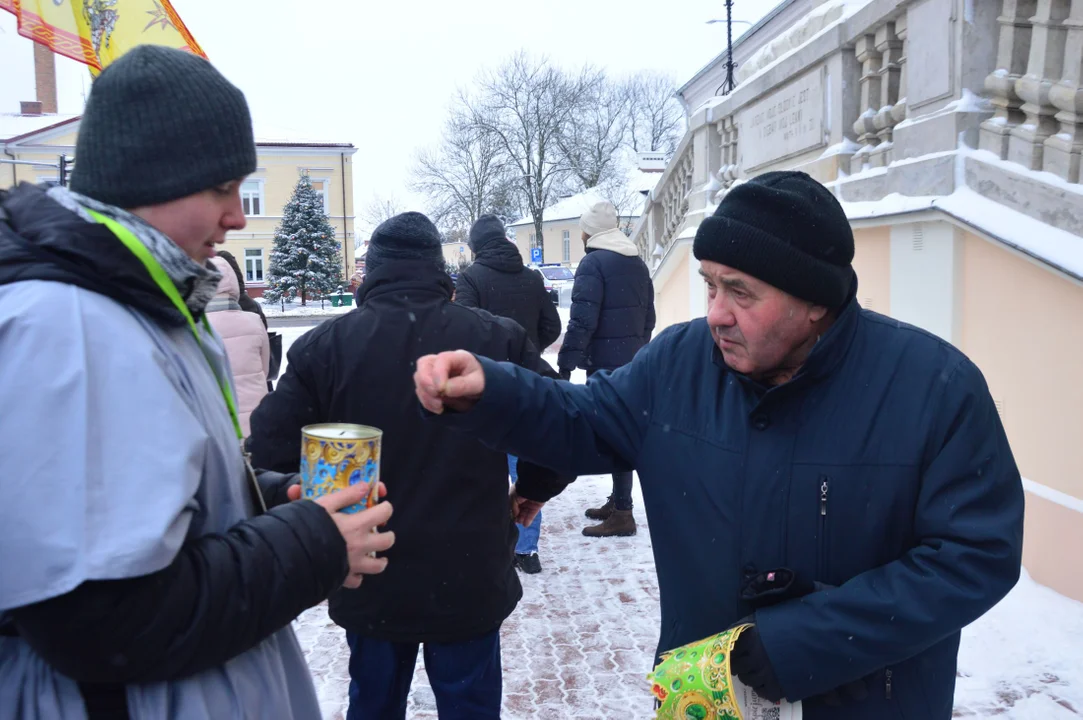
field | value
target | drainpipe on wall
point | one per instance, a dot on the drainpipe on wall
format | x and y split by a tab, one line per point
14	175
345	231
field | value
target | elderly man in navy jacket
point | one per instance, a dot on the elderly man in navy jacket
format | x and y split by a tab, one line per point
788	430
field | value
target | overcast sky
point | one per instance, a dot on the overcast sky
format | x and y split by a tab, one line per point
381	74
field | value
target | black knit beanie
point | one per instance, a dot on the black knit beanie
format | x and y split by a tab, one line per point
409	236
161	124
486	229
785	229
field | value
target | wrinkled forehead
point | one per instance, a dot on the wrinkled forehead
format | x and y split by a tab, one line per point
725	275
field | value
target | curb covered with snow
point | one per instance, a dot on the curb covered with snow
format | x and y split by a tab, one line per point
295	309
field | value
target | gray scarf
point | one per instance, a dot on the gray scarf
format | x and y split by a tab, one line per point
196	283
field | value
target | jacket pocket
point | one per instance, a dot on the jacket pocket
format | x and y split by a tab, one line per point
903	693
823	547
846	520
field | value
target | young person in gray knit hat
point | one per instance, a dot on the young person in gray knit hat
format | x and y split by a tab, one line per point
139	575
837	479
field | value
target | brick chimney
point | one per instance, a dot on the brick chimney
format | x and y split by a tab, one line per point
30	107
45	79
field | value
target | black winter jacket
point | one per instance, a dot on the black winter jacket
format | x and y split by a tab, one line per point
498	282
450	575
612	314
222	594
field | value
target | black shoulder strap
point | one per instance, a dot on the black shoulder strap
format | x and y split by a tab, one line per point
105	701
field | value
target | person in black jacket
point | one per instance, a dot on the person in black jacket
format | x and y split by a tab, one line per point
139	576
450	581
612	317
498	281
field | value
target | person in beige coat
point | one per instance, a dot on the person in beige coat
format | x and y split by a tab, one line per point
246	340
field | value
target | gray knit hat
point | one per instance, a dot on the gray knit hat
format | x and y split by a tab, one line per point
161	124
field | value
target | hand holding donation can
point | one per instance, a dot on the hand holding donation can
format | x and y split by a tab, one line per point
695	681
335	456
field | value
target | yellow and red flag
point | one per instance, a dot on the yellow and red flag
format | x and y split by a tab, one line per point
97	32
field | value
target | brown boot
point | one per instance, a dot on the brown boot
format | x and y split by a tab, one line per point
603	512
619	524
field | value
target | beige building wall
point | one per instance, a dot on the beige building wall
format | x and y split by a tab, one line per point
454	251
553	241
1018	317
872	263
278	170
46	150
671	300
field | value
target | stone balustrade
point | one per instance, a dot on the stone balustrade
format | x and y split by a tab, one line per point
1037	87
872	109
667	206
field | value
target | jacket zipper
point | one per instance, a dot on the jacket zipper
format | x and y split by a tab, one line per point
887	684
822	565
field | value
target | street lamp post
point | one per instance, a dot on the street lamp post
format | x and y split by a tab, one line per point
729	82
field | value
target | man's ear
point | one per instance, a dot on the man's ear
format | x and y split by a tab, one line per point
817	313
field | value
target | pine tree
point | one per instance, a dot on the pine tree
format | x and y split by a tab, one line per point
305	260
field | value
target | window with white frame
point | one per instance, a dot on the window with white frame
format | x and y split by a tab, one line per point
567	247
252	197
323	187
253	265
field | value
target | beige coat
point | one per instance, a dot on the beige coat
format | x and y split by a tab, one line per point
246	341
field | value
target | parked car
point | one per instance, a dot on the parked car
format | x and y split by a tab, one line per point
558	281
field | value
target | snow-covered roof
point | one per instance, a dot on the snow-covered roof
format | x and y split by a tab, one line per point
798	35
282	135
1053	246
571	208
13	125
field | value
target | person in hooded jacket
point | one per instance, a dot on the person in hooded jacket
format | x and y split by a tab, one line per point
451	581
247	343
837	478
139	576
498	281
612	317
246	301
249	304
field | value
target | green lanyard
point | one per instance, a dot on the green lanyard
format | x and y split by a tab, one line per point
158	274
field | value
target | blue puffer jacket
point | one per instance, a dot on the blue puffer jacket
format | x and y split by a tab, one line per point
882	468
612	312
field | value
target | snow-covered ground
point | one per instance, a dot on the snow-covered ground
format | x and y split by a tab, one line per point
581	641
295	309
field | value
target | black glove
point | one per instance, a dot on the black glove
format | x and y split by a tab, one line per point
273	486
749	662
772	587
566	375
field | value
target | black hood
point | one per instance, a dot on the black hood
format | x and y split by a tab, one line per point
42	240
502	256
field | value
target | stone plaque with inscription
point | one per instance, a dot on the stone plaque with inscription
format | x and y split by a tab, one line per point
786	122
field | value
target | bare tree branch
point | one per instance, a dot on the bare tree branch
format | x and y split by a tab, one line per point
592	140
376	210
466	177
656	121
525	106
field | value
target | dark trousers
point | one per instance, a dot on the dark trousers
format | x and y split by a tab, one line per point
465	677
622	490
622	481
